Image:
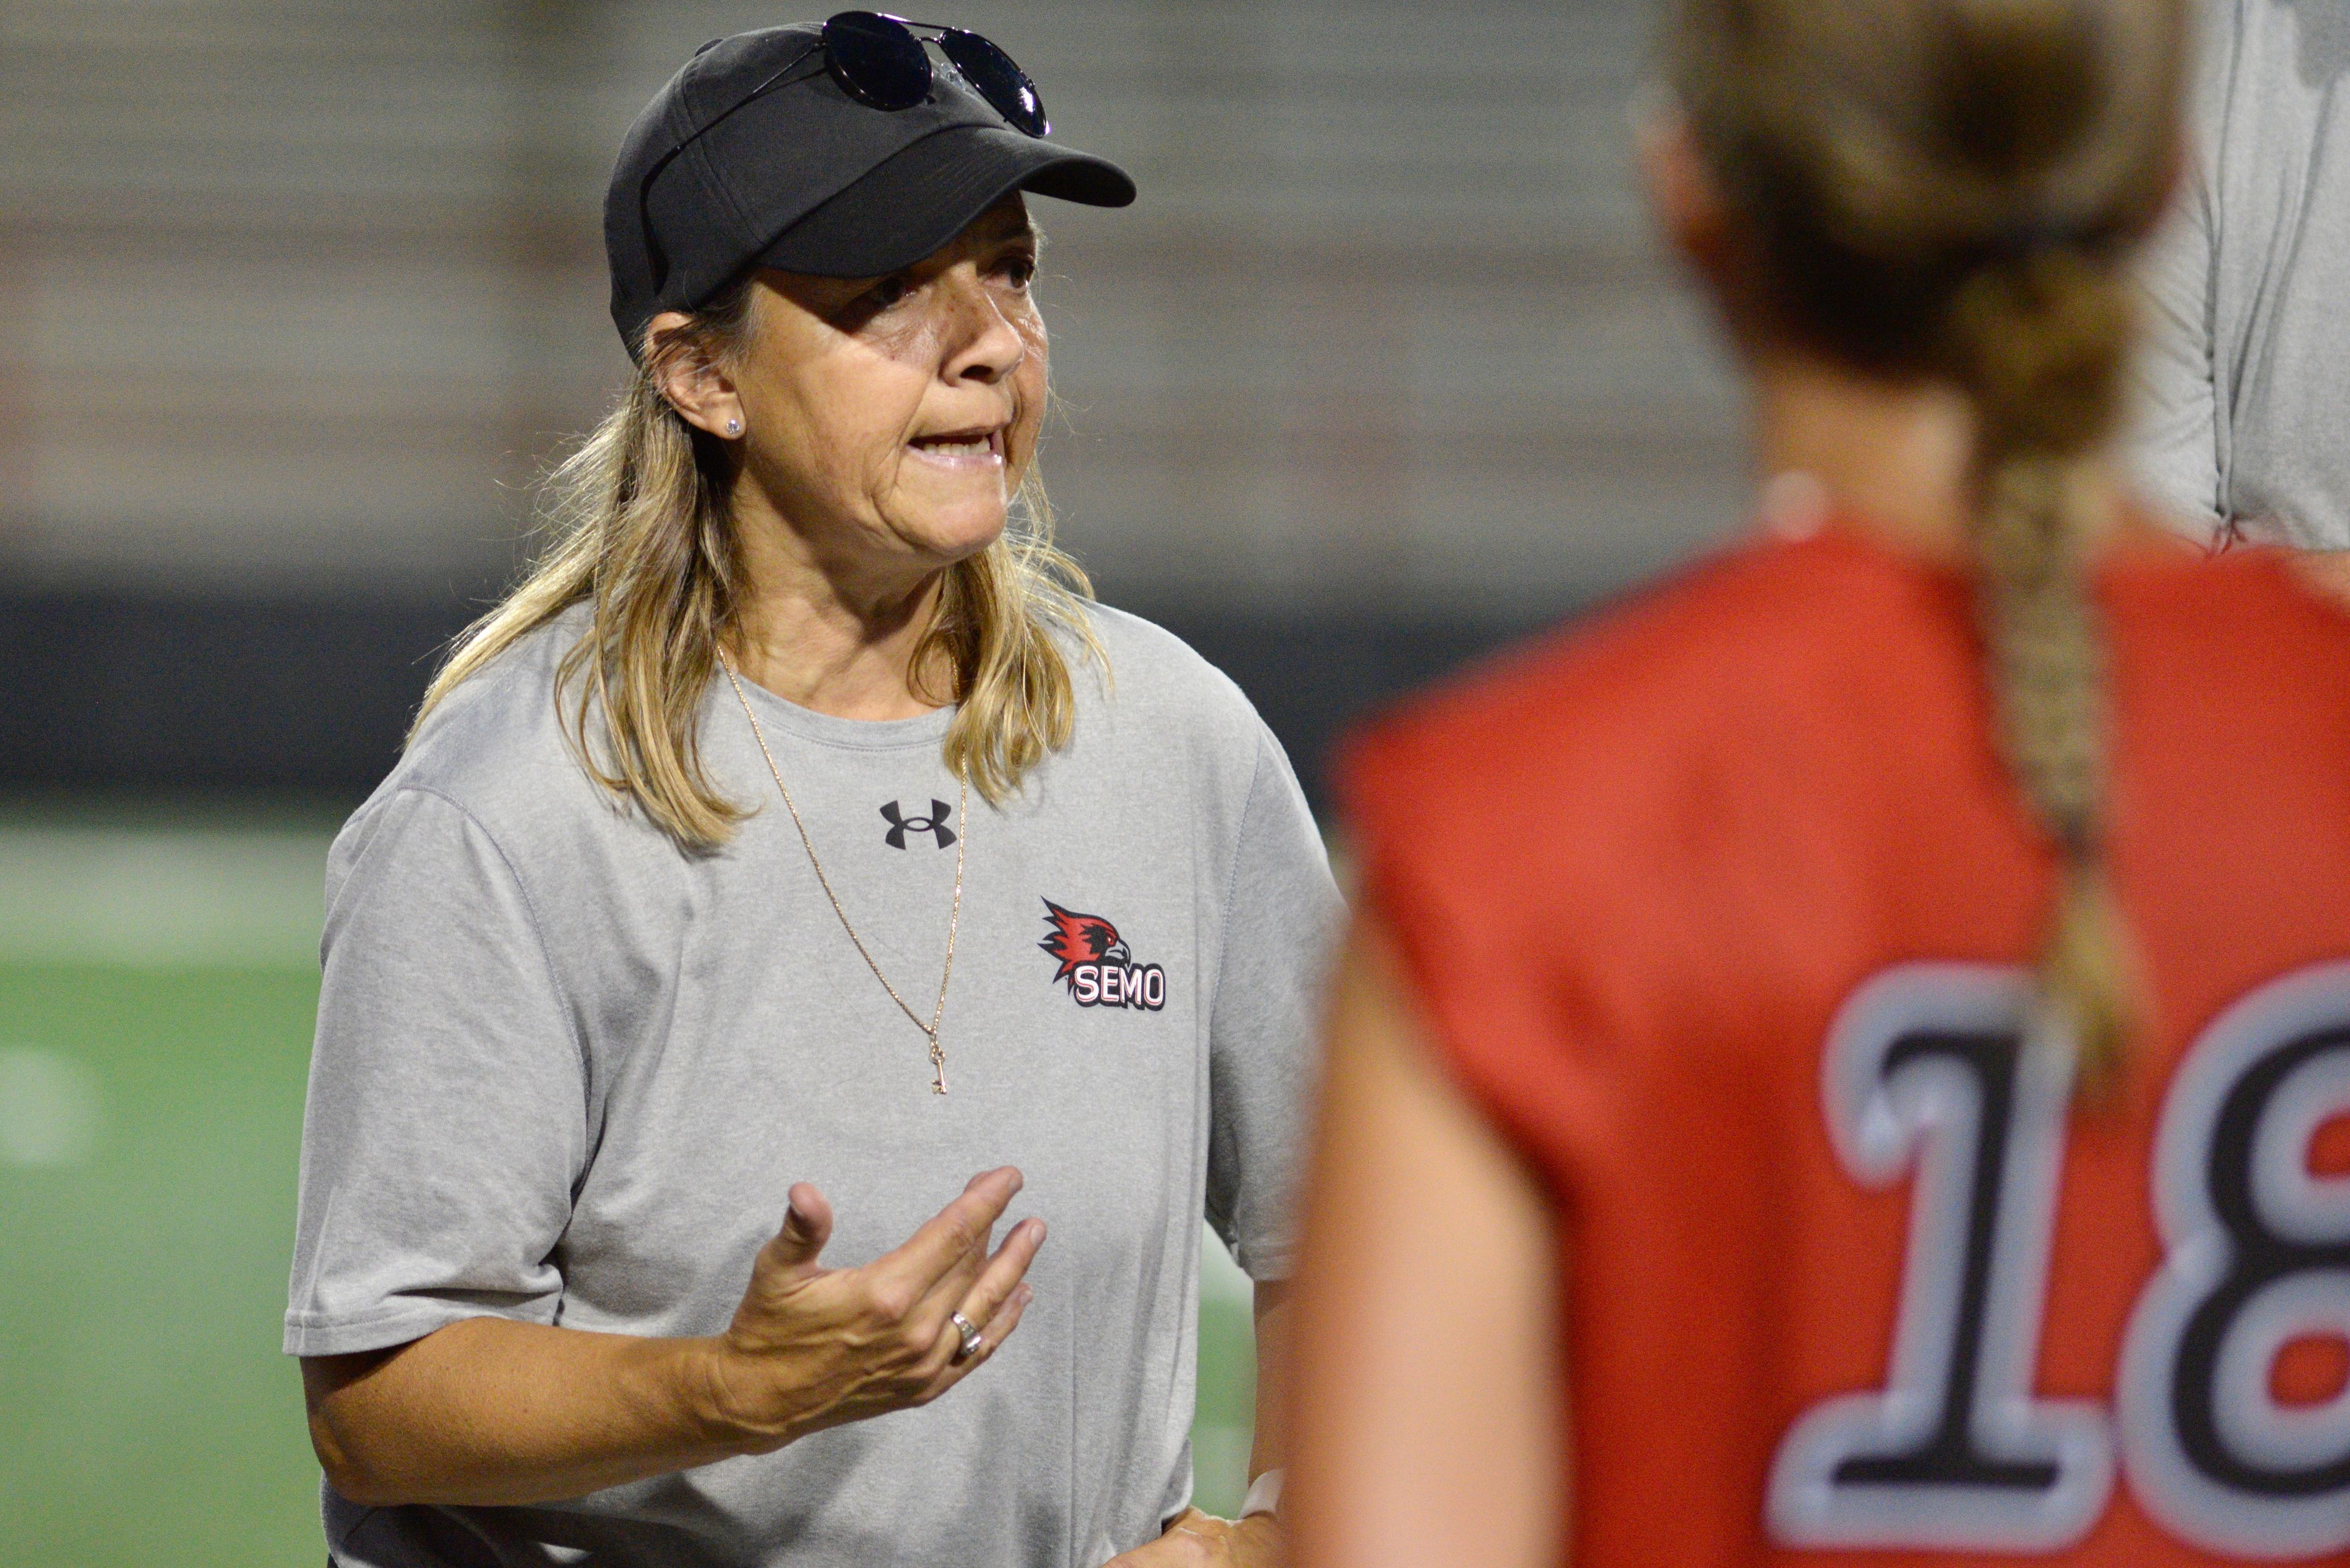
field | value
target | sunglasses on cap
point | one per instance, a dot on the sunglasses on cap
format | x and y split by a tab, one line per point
880	61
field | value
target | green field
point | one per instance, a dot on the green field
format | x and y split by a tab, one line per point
157	986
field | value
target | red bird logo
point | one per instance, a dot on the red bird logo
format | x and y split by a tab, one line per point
1081	938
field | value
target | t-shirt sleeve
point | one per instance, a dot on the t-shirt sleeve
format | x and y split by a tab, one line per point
1281	925
447	1119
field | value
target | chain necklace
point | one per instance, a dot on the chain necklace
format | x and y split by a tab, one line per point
954	918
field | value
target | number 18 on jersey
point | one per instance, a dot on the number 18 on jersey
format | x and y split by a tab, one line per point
1942	1072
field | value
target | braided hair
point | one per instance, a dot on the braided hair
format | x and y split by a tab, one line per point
1948	191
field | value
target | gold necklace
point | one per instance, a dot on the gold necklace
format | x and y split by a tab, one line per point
954	918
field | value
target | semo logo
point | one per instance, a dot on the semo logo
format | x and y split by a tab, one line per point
1096	963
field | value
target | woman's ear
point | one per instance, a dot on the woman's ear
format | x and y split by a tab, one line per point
1681	188
695	383
1704	228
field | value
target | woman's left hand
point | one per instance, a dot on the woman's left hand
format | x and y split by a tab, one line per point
1199	1540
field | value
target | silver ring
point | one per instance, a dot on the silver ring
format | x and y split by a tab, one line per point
970	1336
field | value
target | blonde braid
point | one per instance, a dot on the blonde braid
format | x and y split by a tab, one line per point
2040	343
1946	190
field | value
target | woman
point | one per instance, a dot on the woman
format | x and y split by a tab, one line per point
1959	795
793	842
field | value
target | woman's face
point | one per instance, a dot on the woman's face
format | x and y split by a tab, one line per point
889	421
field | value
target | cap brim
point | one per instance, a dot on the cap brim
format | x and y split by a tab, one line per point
910	205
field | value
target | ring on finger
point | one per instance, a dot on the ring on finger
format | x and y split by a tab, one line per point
971	1340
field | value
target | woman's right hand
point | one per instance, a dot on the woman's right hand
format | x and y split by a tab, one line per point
811	1347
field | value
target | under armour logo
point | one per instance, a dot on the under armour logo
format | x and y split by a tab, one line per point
901	825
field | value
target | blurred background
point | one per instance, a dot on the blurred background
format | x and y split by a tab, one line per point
299	296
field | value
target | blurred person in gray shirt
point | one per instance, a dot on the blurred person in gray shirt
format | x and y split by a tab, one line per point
2245	419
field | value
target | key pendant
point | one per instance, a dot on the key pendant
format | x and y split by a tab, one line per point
938	1068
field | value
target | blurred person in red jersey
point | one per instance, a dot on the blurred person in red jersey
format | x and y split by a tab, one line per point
1843	1059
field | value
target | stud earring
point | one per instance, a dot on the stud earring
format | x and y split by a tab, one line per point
733	427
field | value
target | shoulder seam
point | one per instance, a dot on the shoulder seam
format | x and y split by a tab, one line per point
1232	877
1223	1222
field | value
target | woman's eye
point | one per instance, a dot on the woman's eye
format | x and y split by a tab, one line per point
891	291
1019	271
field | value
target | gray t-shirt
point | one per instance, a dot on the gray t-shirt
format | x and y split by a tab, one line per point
566	1074
2244	420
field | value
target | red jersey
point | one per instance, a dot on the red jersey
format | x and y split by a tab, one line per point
1723	907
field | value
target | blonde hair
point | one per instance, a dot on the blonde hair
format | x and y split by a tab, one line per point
1950	190
641	531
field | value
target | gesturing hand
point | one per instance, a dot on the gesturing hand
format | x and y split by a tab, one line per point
811	1347
1198	1539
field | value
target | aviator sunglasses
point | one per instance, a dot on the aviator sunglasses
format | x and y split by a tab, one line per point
880	61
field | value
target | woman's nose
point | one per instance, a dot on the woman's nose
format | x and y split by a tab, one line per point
982	345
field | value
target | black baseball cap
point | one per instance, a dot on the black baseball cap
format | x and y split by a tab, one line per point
805	177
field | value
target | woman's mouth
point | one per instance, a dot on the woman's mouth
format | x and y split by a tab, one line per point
968	448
